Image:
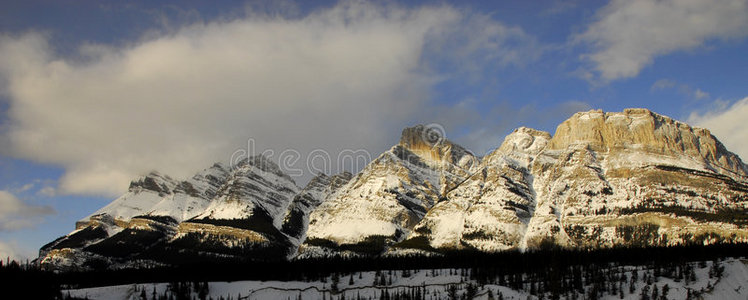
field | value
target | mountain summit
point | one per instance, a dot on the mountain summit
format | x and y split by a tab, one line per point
640	130
631	178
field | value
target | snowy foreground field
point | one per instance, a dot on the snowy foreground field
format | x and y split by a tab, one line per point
728	279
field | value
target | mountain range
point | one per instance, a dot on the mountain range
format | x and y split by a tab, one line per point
604	179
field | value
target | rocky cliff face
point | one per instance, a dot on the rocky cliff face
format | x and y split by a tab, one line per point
490	210
642	131
632	178
637	178
604	179
381	205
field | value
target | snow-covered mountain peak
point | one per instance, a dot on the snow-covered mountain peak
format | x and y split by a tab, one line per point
603	180
205	184
263	164
155	182
525	140
429	143
255	183
216	168
381	204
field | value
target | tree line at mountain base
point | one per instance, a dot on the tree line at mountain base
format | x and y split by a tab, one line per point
555	270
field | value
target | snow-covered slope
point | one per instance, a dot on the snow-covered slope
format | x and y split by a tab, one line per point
192	197
382	203
318	190
603	179
244	217
636	178
220	210
490	210
256	184
160	195
620	283
143	194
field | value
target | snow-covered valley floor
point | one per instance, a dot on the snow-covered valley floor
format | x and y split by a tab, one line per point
731	282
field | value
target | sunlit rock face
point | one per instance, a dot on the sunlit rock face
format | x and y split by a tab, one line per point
637	178
380	206
490	209
643	131
603	179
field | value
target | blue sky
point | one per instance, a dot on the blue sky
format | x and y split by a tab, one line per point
96	93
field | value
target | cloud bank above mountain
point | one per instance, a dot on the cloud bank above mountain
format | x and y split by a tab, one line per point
345	77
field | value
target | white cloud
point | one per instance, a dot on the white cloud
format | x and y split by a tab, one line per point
627	35
47	191
25	187
349	76
699	94
728	125
15	214
683	89
15	252
663	84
